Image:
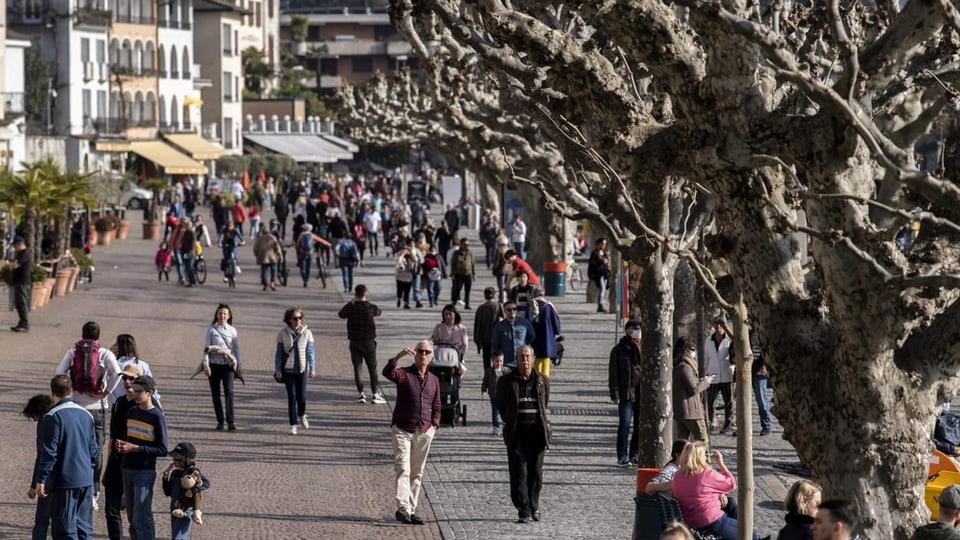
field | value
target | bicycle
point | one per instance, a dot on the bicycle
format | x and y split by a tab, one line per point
230	270
321	270
574	276
200	269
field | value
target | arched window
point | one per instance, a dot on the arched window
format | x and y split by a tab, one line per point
174	14
114	104
123	10
146	11
174	63
174	112
135	11
185	9
126	56
137	60
136	112
148	57
114	52
162	62
149	107
126	107
186	63
162	109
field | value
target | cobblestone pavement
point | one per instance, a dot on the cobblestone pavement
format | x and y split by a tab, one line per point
336	480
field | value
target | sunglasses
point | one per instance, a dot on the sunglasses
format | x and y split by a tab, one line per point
296	318
423	351
128	378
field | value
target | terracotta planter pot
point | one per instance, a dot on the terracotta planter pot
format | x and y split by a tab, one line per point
37	296
151	231
48	285
62	283
74	274
93	236
104	238
122	231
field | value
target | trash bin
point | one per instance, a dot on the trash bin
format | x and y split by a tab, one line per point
555	278
933	487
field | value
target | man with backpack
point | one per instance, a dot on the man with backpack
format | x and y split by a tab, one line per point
349	256
94	372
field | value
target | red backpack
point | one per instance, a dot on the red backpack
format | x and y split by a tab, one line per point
83	370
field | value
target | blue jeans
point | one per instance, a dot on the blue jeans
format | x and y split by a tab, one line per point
601	291
305	266
763	404
180	527
138	488
178	260
72	513
726	528
625	408
346	271
416	288
495	414
373	241
268	270
518	247
296	384
433	292
191	270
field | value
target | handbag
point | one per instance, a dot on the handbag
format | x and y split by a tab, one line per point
279	376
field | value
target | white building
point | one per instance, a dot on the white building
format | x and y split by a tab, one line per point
12	122
217	46
261	30
175	65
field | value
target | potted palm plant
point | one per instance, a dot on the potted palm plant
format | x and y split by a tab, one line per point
151	225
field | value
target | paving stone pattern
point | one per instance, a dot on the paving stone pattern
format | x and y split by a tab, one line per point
336	479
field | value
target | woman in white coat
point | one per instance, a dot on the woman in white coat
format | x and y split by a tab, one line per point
718	361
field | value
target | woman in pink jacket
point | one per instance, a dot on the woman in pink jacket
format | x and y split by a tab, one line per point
697	487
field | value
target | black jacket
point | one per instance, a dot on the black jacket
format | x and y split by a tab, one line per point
624	370
508	401
946	433
798	527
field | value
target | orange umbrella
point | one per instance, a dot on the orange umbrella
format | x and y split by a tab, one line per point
246	179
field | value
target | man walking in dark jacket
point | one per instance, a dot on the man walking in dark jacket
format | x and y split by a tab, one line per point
362	334
66	450
623	378
22	283
522	398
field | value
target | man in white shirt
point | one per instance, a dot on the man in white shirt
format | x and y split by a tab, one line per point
372	220
96	403
518	235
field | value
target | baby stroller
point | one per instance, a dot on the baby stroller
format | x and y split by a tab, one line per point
446	367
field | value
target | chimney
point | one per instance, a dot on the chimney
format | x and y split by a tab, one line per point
286	123
248	123
274	123
262	121
299	125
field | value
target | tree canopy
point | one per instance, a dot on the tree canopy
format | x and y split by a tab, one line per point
778	118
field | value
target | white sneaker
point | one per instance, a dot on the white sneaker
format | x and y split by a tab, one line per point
378	399
304	422
96	502
362	398
293	430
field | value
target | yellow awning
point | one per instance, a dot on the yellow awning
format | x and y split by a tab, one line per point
111	145
166	156
195	145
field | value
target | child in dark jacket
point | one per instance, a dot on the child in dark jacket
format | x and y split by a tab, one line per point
488	389
184	502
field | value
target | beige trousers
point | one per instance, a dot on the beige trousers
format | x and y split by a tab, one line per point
409	459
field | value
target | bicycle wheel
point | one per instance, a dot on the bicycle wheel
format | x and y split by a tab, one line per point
201	270
572	277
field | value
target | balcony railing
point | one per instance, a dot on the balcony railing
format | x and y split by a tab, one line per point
186	75
110	125
14	102
90	16
136	19
118	69
162	74
185	25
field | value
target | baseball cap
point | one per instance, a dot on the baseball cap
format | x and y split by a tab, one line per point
144	382
19	240
183	450
950	497
633	323
307	227
132	370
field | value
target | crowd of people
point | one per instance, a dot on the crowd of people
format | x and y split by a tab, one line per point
118	429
